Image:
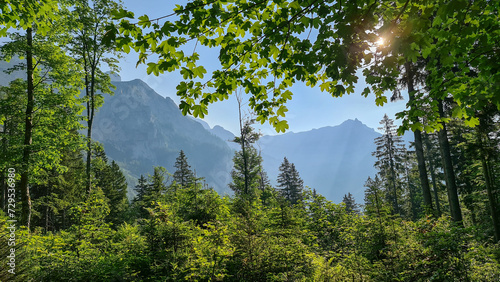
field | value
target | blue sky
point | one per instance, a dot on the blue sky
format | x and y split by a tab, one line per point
310	108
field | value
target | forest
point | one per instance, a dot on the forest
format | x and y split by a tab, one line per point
430	214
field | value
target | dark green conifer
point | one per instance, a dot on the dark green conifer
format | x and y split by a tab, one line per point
183	176
290	182
390	154
350	203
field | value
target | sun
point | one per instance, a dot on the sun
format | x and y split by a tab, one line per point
380	41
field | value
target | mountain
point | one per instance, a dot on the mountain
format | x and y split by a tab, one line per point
6	78
140	129
333	160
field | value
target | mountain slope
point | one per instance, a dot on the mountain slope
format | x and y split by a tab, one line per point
332	160
141	129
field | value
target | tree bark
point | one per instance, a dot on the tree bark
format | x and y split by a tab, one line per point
28	132
432	167
489	186
424	180
449	172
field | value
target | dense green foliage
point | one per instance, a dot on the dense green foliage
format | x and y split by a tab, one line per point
194	234
75	222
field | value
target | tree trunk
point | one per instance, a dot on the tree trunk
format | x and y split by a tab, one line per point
89	148
449	173
432	168
424	180
414	213
243	151
489	186
28	132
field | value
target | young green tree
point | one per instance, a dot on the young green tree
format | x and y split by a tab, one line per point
183	175
247	162
289	182
142	190
149	190
57	191
350	203
113	184
376	208
246	174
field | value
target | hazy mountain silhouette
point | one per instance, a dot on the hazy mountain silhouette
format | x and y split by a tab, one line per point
141	129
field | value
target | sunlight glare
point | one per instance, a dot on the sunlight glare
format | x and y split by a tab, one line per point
380	41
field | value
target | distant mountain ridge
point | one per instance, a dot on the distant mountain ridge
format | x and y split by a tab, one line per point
334	160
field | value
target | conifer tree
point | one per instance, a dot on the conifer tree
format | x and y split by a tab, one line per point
390	154
375	207
350	203
149	190
114	186
112	182
142	190
58	191
183	176
247	170
413	197
435	167
289	182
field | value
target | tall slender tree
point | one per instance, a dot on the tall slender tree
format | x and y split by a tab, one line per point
449	171
89	21
390	154
431	150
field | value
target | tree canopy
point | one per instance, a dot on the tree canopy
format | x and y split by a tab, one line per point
268	46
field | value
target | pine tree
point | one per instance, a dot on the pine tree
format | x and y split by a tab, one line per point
390	154
149	190
157	186
112	182
142	190
350	203
247	173
183	176
435	168
114	187
413	197
290	182
55	194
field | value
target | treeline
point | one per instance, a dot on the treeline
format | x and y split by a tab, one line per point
176	229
